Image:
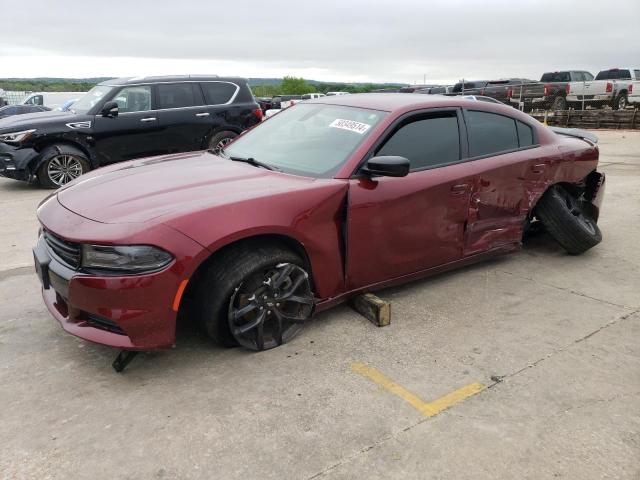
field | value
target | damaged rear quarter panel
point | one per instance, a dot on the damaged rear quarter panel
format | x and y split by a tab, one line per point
507	188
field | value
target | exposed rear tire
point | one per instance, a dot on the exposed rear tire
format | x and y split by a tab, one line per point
245	279
567	221
60	165
221	140
559	103
621	102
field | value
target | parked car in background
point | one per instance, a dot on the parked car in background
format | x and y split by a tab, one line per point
550	93
11	110
52	100
311	96
264	102
609	88
329	198
499	89
435	90
332	94
126	118
470	87
3	98
416	88
67	105
283	101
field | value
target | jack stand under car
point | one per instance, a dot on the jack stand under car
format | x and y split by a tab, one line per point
123	359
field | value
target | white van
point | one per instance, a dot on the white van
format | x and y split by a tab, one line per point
52	100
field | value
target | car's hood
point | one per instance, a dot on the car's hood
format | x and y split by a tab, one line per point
33	120
159	188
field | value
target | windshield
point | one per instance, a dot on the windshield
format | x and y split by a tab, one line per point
312	140
90	100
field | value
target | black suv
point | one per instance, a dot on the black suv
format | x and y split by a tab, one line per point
123	119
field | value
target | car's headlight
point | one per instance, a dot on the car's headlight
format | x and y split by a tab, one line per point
130	258
16	137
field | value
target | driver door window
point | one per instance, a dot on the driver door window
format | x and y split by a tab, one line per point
134	99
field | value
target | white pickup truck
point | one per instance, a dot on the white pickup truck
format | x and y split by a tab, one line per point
610	87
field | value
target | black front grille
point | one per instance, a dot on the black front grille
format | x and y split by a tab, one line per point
67	252
104	324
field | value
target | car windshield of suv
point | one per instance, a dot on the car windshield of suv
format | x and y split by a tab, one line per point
92	97
312	140
556	77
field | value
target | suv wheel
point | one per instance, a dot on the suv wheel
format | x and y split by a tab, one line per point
221	140
61	164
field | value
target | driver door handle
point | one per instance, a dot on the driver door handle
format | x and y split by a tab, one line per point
148	119
202	114
459	189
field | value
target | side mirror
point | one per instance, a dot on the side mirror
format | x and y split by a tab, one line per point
110	109
387	166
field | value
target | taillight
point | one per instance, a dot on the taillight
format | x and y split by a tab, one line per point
482	91
567	88
547	90
510	93
630	89
609	87
258	113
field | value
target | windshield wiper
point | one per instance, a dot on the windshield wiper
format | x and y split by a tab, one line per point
252	161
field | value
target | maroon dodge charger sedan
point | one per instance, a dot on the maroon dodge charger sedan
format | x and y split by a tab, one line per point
329	198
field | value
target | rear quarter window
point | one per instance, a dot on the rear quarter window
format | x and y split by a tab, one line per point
525	134
490	133
218	93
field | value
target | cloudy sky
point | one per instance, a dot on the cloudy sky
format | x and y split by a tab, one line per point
352	41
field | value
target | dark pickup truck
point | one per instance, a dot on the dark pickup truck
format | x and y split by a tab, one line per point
496	89
550	93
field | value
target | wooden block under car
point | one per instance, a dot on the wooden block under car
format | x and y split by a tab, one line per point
375	309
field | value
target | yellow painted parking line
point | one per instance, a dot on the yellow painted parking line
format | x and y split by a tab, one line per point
428	409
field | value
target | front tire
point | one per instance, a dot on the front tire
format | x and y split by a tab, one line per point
60	165
564	217
257	296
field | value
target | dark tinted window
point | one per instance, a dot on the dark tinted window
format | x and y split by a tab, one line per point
468	86
525	134
177	95
426	143
217	93
556	77
490	133
614	74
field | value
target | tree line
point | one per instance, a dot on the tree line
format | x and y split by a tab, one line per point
288	86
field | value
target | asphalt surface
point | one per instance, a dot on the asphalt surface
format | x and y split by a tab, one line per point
552	341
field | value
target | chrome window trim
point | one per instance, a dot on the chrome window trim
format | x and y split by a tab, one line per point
231	100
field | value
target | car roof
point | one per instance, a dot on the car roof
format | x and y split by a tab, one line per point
395	101
168	78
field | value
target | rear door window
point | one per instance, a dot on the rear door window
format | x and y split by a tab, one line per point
429	142
178	95
218	93
490	133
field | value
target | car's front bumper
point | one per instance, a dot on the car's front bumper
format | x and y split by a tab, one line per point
14	161
132	312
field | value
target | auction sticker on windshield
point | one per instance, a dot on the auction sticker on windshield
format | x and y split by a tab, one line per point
350	125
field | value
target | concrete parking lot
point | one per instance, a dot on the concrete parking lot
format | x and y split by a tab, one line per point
536	355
